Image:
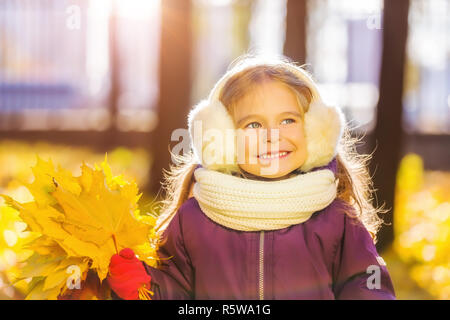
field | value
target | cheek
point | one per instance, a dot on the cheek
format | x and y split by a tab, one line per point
251	142
247	145
295	136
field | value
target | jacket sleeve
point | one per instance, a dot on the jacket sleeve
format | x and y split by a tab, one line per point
359	272
173	279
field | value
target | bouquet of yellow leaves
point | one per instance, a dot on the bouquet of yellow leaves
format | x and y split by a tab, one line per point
78	223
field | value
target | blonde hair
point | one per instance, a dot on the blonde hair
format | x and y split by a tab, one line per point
355	184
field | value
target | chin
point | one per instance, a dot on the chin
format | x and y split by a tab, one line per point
276	176
283	171
279	174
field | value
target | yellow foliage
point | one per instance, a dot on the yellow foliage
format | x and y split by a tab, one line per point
81	221
18	156
13	238
422	225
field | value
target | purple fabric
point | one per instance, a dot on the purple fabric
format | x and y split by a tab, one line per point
326	257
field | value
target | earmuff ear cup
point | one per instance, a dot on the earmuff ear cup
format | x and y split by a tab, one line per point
213	133
213	136
324	126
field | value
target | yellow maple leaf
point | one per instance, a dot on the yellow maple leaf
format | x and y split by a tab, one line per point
44	175
103	219
81	221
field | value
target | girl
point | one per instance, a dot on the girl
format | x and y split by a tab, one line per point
285	216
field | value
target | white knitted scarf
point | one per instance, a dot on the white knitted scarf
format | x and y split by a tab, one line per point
252	205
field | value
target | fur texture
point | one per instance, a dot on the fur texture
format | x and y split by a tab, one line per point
214	144
323	130
212	133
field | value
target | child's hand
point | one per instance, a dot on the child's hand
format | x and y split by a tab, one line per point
127	276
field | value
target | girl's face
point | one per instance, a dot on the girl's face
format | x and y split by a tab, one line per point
270	112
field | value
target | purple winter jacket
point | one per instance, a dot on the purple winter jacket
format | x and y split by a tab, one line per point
326	257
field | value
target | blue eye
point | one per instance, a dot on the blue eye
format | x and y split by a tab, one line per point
253	125
287	121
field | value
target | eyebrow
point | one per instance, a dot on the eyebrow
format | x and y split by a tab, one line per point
292	113
244	119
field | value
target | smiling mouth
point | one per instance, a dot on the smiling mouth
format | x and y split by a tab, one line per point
275	155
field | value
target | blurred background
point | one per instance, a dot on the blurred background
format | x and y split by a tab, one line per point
79	78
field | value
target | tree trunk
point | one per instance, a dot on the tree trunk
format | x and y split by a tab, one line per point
174	83
295	43
388	130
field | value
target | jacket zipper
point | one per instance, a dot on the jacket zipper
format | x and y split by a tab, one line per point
261	265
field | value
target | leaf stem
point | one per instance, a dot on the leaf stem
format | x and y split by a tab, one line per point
115	243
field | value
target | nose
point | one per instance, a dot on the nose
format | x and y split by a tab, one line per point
273	135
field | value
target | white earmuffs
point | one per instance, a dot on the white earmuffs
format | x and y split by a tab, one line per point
211	126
